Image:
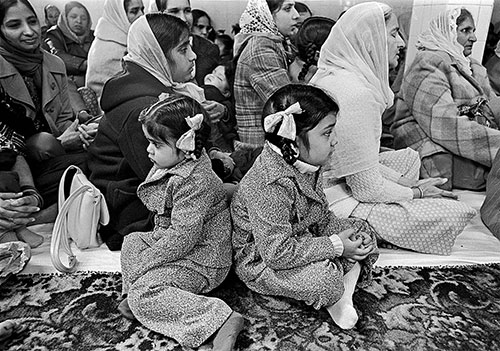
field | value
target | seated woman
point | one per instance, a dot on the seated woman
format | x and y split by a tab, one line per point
447	110
381	188
159	60
311	36
286	242
110	43
206	51
70	39
36	81
260	50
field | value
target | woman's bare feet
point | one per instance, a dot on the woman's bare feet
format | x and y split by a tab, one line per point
226	336
30	238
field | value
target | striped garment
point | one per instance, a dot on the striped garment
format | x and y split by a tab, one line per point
427	118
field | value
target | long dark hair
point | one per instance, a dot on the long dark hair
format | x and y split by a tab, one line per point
316	104
168	30
165	120
311	36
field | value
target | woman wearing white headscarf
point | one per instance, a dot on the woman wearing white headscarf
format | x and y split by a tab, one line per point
118	158
262	61
436	111
110	43
353	66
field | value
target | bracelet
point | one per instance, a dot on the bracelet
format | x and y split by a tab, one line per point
29	190
420	192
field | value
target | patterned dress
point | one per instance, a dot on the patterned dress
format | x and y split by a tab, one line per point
188	253
281	234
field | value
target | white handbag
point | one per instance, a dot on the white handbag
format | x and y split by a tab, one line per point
82	208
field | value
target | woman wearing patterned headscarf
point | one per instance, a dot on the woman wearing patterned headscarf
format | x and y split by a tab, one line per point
262	61
359	182
110	44
438	113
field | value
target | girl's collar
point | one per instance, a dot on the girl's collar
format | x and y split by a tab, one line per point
301	166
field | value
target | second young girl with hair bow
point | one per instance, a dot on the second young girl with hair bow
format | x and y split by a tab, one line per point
286	241
188	252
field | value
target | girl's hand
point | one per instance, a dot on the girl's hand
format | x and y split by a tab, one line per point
428	188
215	110
355	247
87	133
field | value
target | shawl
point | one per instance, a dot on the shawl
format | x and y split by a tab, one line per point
353	66
151	8
62	23
442	36
114	24
27	63
145	51
358	43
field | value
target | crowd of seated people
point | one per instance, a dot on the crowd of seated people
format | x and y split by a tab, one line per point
265	147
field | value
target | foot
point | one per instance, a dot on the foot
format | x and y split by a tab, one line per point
125	310
343	314
30	238
226	336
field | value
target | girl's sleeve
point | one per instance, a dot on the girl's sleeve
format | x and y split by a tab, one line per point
429	96
191	201
270	214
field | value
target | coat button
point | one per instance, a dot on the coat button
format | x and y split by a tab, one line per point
53	85
49	109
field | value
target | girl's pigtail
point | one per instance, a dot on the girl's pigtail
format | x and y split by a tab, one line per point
310	60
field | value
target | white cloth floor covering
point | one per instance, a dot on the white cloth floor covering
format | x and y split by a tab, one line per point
476	245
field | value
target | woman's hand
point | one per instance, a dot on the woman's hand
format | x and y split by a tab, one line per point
356	245
87	133
429	188
215	110
16	210
70	138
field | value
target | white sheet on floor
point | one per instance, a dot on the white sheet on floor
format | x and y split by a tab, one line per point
476	245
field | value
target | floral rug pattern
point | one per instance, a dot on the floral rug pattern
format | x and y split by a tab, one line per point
456	308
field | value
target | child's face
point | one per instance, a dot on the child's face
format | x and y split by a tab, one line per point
163	155
218	79
322	140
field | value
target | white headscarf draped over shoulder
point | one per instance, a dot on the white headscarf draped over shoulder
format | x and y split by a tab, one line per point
113	24
145	51
442	36
358	43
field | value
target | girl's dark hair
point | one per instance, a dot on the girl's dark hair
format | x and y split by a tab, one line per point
5	5
165	120
315	104
301	7
464	14
197	14
311	36
228	44
168	30
274	5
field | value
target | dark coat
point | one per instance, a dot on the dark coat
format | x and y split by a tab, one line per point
490	210
118	158
207	57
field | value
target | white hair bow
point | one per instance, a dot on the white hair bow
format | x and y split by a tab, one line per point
287	129
186	142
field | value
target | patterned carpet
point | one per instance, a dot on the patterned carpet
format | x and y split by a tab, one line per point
405	309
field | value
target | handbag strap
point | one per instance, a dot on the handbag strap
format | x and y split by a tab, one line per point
60	238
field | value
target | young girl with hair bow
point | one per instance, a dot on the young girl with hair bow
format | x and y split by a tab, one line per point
188	252
286	241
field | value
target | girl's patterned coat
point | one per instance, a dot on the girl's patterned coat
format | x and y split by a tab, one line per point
187	253
281	234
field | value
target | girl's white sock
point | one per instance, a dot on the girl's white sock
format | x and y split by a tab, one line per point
343	312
